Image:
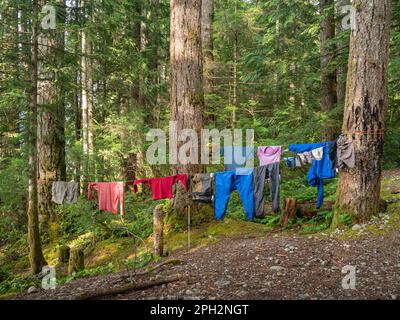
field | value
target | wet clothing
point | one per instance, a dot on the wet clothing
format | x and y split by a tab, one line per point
201	187
318	153
109	195
271	172
290	162
345	153
161	188
236	157
229	181
305	158
320	170
63	191
269	155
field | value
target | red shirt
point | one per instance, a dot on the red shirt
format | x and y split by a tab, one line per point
109	195
161	188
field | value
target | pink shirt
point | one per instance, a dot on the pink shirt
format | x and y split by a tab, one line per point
109	194
268	155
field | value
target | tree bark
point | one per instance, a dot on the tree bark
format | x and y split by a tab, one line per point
36	257
158	230
51	151
187	98
207	16
86	100
328	74
366	104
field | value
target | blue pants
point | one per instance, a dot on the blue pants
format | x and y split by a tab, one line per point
228	181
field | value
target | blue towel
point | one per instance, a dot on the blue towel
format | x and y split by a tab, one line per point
320	170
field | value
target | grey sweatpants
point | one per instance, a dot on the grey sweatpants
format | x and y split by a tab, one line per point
270	171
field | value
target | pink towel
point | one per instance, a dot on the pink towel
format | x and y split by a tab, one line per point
268	155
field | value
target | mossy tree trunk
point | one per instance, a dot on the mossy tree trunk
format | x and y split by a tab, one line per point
187	95
328	72
36	258
51	140
366	103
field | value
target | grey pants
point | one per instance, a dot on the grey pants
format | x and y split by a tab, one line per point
270	171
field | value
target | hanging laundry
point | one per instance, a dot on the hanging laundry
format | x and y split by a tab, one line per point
63	191
201	187
229	181
269	155
270	171
290	162
320	170
297	162
318	153
345	153
236	157
333	155
305	158
109	195
161	188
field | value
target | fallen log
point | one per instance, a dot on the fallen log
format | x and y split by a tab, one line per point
128	287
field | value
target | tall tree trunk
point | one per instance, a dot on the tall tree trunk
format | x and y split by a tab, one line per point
341	70
77	100
366	104
187	98
207	15
51	151
36	257
234	71
86	101
328	74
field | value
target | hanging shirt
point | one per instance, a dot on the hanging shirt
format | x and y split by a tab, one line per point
345	153
236	157
290	162
305	158
109	195
63	191
269	155
201	187
320	170
161	188
318	153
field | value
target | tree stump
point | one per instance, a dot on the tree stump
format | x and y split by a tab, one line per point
63	254
158	230
289	211
76	261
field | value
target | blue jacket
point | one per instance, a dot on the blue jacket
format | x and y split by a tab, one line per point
320	170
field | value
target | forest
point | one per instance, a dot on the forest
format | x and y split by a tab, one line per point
83	82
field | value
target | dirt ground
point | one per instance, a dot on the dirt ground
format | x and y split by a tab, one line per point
274	266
